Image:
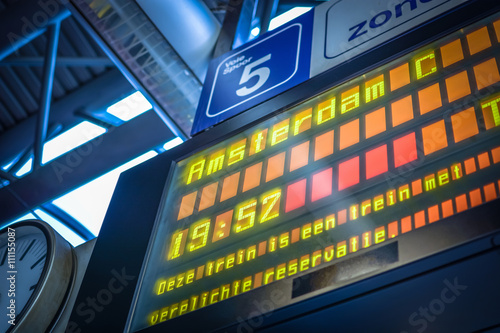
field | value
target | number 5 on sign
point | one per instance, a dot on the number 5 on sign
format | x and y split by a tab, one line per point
261	72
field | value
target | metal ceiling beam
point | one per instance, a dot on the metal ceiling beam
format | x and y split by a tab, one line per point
61	61
83	164
46	93
26	20
175	107
95	95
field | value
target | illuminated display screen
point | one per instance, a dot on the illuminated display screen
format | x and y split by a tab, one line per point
356	166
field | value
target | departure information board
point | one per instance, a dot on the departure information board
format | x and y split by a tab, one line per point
351	168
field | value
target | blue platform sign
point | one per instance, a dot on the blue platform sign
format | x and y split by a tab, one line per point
255	72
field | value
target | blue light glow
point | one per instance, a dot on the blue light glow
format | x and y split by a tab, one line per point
130	107
172	143
287	16
71	139
88	203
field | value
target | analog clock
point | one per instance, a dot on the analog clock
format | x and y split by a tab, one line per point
37	269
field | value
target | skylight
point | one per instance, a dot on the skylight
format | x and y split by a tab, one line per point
172	143
130	107
88	203
25	168
64	142
8	165
287	16
70	139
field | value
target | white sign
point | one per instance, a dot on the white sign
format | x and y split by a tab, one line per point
344	29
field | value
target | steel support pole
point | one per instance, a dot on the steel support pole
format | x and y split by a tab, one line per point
61	61
7	176
46	94
28	152
270	8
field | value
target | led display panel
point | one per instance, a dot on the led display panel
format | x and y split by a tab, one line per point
401	147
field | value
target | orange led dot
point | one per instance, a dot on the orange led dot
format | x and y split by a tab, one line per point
323	145
484	160
434	137
295	195
299	156
429	98
187	205
199	272
475	197
349	134
416	187
257	280
490	192
252	176
275	166
461	202
464	125
405	150
447	208
452	53
478	40
419	219
261	249
486	73
470	165
495	152
405	224
375	123
392	229
433	213
376	161
230	186
348	173
321	184
295	235
402	111
399	76
208	196
342	216
496	24
457	86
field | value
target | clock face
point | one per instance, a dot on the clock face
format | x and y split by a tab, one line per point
22	259
35	272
